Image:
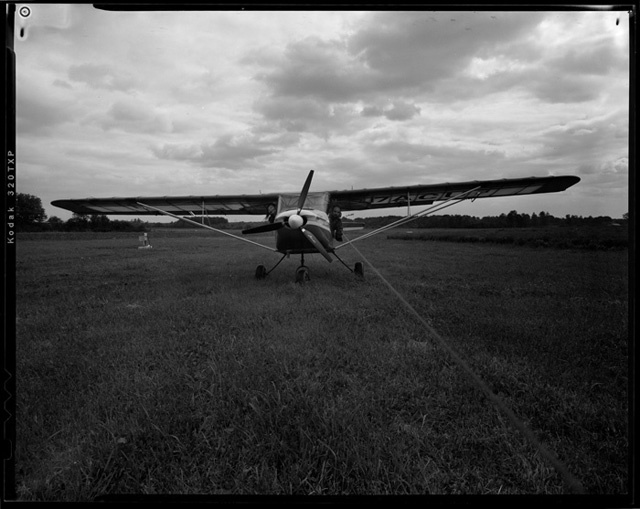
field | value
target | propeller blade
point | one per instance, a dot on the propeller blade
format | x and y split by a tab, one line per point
316	243
305	190
263	228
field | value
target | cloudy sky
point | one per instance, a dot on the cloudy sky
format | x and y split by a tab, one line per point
184	103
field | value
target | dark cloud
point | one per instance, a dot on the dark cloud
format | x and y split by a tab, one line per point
565	88
576	75
408	50
399	55
306	114
541	80
594	59
320	69
420	53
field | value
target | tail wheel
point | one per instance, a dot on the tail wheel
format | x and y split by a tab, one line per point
359	269
302	274
261	272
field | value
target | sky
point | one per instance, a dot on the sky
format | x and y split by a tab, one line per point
235	102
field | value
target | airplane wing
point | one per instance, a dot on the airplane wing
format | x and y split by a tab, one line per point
359	199
185	205
386	197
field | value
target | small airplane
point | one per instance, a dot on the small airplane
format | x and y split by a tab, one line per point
307	222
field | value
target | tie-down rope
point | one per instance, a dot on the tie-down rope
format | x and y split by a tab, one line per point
572	483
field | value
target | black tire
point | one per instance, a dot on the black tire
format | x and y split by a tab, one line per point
261	272
302	275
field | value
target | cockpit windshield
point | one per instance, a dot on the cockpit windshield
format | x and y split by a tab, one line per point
315	201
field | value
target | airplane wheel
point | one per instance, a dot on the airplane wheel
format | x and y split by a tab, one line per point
359	269
302	275
261	272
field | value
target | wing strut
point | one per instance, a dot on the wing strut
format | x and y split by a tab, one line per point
403	220
164	212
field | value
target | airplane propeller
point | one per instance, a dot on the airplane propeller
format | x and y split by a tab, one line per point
316	243
305	191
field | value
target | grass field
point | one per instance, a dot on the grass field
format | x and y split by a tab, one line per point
173	370
593	238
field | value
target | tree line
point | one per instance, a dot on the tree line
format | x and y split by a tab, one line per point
513	219
30	216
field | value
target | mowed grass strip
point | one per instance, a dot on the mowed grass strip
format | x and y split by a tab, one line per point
173	370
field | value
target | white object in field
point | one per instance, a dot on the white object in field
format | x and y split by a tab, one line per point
145	242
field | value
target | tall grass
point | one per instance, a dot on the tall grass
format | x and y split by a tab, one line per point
173	370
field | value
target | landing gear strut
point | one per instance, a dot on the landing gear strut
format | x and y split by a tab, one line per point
262	272
358	270
302	272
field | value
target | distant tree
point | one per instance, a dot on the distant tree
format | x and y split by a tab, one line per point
55	223
534	219
77	223
543	218
99	223
29	210
523	220
138	225
214	221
